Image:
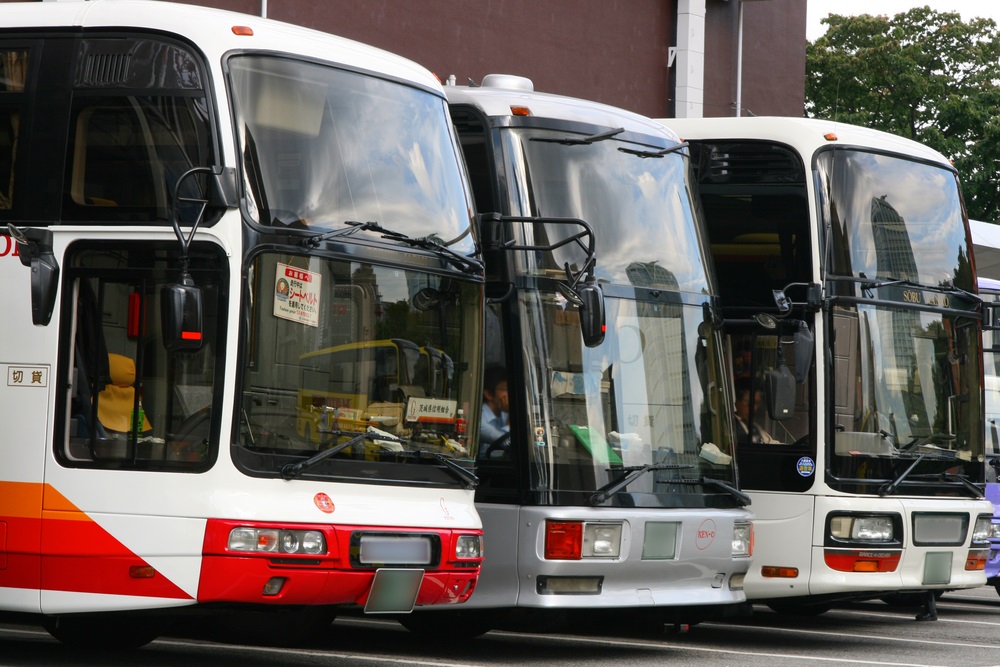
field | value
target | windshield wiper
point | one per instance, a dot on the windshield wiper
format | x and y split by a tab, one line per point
466	264
644	154
631	474
741	497
582	141
467	477
292	470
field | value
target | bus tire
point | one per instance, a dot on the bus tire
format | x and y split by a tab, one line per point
112	630
789	608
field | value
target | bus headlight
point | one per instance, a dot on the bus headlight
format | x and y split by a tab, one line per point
469	546
984	530
742	539
276	540
864	528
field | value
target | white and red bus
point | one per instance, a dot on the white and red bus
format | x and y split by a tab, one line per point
848	289
195	202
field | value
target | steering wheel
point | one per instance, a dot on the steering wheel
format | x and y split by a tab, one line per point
499	448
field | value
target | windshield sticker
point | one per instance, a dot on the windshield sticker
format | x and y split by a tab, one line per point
431	410
296	295
805	466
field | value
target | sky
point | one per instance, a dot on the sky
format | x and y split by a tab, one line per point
819	9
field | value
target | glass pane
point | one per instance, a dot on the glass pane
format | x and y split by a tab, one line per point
339	348
324	146
648	395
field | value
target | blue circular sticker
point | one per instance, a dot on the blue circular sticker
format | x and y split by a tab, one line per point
805	466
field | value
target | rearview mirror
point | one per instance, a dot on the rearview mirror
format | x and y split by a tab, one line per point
592	318
181	316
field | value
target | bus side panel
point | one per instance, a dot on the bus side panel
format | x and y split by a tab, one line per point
499	579
26	394
780	540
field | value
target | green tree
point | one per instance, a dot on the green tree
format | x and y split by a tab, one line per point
924	75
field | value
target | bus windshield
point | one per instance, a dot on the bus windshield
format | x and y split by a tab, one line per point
906	358
341	349
894	219
646	396
631	198
324	146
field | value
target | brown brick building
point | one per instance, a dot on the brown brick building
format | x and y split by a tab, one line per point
655	57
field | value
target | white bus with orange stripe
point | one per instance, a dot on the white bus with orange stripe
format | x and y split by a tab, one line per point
193	202
848	289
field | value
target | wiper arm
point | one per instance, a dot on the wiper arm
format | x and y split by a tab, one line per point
631	474
890	487
292	470
582	141
741	497
353	226
644	154
467	477
466	264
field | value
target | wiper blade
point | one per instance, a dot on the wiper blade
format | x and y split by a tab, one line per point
582	141
946	477
927	439
466	264
742	498
660	153
467	477
631	474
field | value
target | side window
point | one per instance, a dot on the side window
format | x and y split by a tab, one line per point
131	403
139	120
13	73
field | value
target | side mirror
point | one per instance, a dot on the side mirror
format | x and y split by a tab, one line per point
779	390
181	316
592	318
35	251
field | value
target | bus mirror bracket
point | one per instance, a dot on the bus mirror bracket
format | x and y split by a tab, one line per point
581	287
181	318
35	251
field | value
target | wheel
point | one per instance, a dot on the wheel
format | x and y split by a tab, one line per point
275	627
447	624
118	630
908	599
799	608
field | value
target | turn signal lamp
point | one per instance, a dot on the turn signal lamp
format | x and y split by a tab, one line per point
779	571
520	111
977	560
243	30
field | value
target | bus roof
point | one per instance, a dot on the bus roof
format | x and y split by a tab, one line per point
806	135
498	93
212	31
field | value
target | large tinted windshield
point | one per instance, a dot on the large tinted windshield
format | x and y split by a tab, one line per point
894	219
340	348
323	146
906	383
641	206
647	395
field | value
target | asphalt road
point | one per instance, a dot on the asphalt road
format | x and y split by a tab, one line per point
966	634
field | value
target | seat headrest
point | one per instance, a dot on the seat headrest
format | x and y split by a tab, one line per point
122	370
